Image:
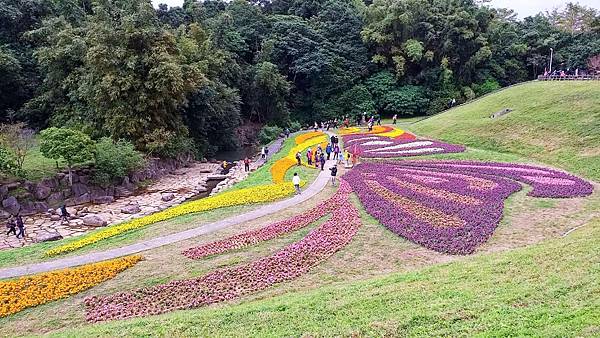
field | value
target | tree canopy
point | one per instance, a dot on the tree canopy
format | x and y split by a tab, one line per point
184	78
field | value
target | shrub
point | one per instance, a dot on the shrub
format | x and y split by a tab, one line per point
115	160
269	133
295	126
487	87
17	139
8	163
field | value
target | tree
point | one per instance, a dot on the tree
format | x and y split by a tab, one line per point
114	160
271	90
72	146
574	18
18	139
594	64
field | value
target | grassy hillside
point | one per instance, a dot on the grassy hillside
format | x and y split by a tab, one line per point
555	123
549	290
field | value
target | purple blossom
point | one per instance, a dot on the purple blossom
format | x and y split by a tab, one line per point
373	146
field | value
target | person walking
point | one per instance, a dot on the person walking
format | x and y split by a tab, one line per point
336	152
263	153
299	158
347	156
266	152
309	156
20	225
296	182
316	159
334	171
322	162
247	164
395	118
328	150
12	227
64	214
287	132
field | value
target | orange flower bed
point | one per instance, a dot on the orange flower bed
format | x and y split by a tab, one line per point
280	168
305	137
19	294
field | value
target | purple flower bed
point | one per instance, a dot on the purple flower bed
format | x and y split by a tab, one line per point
230	283
373	146
452	206
273	230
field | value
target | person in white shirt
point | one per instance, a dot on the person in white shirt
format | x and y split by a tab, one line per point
296	181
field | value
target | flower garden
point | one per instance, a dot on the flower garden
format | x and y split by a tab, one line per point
303	142
19	294
452	206
230	283
379	146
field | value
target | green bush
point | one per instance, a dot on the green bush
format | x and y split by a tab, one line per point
115	160
487	87
8	163
295	126
269	133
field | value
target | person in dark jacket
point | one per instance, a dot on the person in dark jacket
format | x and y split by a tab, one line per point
20	225
12	227
64	214
334	171
322	160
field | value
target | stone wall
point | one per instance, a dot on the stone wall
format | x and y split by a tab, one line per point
27	198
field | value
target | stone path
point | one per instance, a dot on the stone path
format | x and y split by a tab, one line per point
93	257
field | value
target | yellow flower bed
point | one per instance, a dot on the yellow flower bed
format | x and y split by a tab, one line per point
393	134
349	131
19	294
305	137
259	194
280	168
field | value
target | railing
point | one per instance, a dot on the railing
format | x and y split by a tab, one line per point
569	78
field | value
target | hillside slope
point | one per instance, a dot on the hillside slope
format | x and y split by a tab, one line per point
548	290
557	123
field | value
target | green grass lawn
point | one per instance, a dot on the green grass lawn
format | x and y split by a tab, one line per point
554	123
547	290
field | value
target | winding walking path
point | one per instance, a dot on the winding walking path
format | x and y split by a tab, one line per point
317	186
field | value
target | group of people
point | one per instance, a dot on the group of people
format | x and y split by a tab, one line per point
296	178
14	223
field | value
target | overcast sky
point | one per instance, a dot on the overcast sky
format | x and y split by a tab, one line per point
522	7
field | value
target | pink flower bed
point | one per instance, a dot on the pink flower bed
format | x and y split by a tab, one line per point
373	146
452	206
271	231
230	283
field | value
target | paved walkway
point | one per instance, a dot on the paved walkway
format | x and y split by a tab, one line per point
316	187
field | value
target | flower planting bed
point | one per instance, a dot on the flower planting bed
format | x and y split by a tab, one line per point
230	283
271	231
19	294
377	146
452	206
259	194
303	142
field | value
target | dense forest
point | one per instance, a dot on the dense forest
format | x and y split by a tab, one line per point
174	79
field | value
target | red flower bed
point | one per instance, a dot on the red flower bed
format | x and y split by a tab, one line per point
230	283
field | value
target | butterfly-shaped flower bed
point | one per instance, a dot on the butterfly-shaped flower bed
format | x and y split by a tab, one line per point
230	283
377	146
452	206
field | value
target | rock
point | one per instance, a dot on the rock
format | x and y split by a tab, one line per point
501	113
47	236
83	199
131	209
11	205
41	192
167	197
55	199
205	170
55	218
13	185
40	206
202	189
122	192
84	179
103	200
49	182
3	192
216	177
4	215
27	208
94	221
79	189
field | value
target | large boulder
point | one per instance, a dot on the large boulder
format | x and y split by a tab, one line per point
131	209
166	197
11	205
42	192
103	200
55	199
48	236
94	221
79	189
3	192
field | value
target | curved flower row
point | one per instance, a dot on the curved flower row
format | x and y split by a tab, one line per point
307	136
272	230
452	206
376	146
19	294
376	130
259	194
280	168
230	283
